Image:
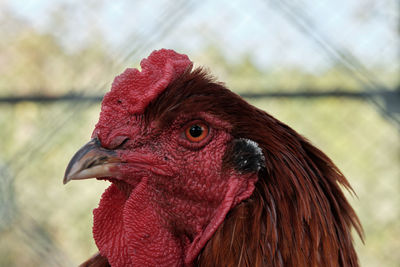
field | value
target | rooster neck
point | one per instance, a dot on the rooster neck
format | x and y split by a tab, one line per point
297	216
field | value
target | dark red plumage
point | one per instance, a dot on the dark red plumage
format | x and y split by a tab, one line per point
298	214
288	210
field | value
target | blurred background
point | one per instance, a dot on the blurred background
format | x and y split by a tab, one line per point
329	69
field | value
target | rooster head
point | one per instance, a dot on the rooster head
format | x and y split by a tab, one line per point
175	167
199	176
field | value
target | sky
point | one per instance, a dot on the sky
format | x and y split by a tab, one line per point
267	31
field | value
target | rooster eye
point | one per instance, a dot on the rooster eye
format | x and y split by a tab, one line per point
196	132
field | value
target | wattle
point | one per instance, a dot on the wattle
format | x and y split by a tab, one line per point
128	232
108	227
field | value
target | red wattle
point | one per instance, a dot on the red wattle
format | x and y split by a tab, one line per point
149	242
108	227
129	233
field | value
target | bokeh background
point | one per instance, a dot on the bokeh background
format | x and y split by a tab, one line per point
329	69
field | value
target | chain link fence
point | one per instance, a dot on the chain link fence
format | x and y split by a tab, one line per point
329	69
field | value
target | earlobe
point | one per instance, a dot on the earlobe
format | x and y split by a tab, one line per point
245	156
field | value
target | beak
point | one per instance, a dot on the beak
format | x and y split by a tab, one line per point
92	161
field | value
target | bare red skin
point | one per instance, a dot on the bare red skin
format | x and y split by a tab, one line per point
172	194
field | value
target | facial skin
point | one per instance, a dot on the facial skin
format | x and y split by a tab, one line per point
170	189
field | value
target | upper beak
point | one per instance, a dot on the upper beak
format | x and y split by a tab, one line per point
92	161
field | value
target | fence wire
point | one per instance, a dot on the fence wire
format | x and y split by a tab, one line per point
329	69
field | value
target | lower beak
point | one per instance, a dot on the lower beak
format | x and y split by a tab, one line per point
92	161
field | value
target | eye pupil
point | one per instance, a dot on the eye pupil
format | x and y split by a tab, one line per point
196	131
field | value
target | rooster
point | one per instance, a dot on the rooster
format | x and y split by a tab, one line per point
199	177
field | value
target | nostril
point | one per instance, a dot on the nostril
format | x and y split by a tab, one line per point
123	142
118	142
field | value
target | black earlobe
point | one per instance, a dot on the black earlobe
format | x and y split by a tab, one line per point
245	155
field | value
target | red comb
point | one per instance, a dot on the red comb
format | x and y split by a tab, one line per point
133	90
137	88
